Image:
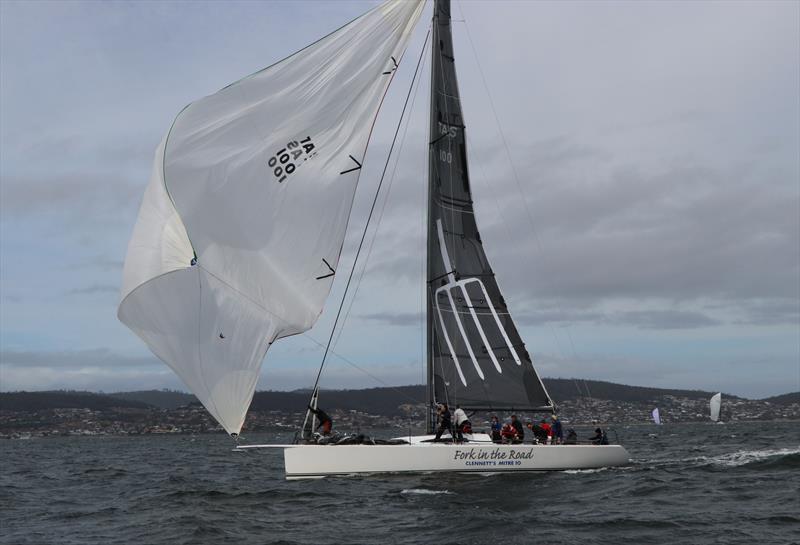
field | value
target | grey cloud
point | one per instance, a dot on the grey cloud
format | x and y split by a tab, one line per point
395	319
93	289
132	154
556	315
772	312
91	379
686	233
661	176
98	262
689	231
78	196
665	319
76	359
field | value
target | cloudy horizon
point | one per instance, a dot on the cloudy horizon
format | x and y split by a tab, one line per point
635	170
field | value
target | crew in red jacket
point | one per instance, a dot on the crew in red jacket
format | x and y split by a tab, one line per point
547	429
508	434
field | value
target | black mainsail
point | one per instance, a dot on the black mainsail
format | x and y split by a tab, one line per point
476	357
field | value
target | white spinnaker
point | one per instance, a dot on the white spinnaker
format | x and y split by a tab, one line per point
715	404
256	181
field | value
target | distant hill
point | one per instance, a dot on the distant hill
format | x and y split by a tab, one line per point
63	399
386	400
785	399
564	389
163	399
380	401
372	400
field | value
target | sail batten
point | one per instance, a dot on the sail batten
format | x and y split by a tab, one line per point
475	355
241	229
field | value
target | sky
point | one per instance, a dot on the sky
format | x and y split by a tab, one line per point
635	169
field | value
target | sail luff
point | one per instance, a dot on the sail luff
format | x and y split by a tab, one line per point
475	354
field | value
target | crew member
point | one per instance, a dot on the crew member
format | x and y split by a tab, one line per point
508	434
558	430
463	424
599	438
324	420
518	428
445	421
539	435
496	427
548	431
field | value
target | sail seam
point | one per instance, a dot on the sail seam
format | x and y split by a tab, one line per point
244	295
199	351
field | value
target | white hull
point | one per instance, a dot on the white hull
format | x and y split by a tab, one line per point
314	461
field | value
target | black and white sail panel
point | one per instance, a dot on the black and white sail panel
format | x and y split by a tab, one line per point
476	356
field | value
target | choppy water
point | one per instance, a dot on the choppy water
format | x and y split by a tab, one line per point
692	484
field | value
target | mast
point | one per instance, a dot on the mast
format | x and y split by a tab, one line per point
438	19
476	357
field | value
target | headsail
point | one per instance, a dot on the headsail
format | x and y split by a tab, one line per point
241	227
475	354
714	406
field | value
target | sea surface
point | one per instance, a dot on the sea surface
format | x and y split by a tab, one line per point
687	484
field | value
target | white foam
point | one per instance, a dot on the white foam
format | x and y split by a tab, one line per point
577	471
744	457
733	459
424	492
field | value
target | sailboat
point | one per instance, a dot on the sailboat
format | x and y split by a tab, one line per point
239	236
714	407
656	417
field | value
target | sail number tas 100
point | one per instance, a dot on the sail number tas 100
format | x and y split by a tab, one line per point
286	160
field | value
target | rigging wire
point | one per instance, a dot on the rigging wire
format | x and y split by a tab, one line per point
369	217
502	135
423	261
383	207
359	368
525	204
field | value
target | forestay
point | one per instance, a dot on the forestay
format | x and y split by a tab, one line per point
242	224
476	356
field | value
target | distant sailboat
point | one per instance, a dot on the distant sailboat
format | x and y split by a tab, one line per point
715	404
656	417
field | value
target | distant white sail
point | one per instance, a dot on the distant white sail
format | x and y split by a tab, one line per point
656	416
715	404
241	227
